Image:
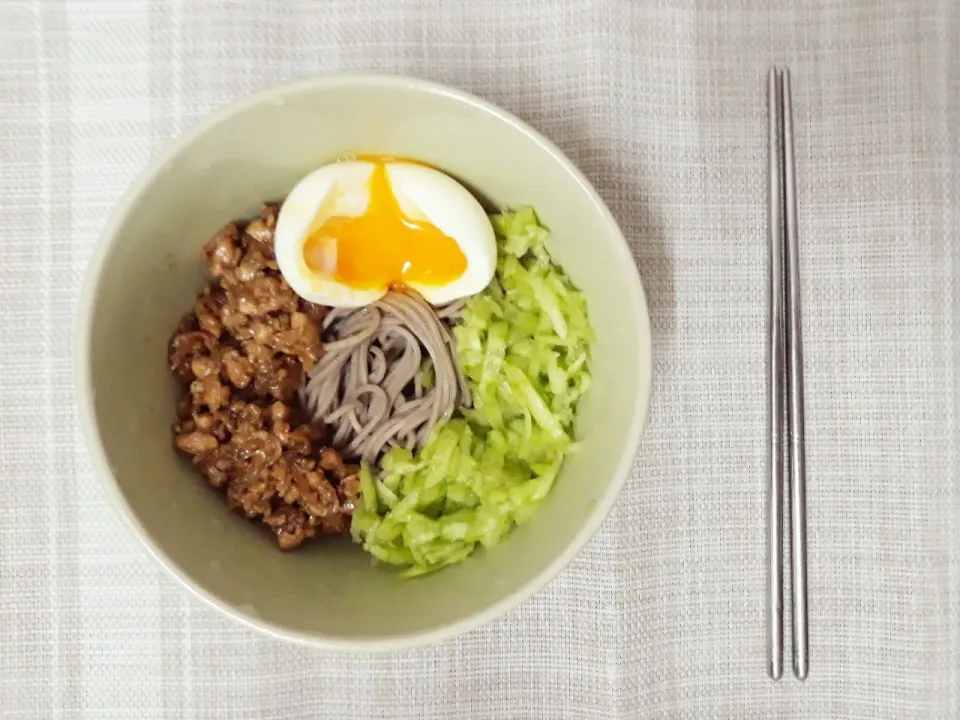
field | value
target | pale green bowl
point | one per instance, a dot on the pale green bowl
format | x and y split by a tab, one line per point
145	274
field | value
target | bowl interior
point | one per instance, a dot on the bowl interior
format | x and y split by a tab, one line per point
147	277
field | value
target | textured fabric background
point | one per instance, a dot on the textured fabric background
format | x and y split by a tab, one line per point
662	104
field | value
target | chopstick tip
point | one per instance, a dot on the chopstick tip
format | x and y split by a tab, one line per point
775	672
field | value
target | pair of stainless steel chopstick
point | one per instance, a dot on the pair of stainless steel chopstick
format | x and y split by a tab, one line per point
786	387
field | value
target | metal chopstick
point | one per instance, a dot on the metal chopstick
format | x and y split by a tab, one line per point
777	419
798	512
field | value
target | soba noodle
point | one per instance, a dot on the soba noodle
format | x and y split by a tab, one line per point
368	385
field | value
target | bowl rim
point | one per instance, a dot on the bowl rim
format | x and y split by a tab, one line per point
84	383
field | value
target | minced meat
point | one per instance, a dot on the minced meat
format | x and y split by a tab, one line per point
241	355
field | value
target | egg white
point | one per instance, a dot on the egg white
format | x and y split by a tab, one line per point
340	189
423	194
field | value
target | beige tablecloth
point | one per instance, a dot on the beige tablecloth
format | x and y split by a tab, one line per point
662	104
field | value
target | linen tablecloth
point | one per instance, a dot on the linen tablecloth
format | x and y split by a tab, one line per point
662	104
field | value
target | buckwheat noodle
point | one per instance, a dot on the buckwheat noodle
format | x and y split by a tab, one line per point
368	386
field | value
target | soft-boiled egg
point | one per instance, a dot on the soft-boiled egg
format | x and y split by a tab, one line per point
351	230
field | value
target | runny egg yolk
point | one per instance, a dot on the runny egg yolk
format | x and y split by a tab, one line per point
382	247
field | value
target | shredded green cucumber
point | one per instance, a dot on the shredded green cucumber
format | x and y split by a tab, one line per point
523	345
